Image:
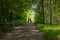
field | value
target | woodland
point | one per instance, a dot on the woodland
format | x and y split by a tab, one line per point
46	16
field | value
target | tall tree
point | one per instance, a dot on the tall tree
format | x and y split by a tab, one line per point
50	12
42	10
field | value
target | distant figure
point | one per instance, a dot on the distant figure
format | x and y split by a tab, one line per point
29	20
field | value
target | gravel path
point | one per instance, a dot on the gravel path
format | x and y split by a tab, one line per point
24	32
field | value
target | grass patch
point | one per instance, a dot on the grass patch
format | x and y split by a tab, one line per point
51	32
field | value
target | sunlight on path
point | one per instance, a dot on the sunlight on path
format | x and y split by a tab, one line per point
25	32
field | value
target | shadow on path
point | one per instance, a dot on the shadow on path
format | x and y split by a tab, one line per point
26	31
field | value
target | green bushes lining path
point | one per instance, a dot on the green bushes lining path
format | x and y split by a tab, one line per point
51	32
8	25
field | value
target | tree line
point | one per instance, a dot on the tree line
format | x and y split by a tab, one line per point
13	12
47	11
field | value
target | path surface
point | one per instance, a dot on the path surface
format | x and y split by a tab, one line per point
24	32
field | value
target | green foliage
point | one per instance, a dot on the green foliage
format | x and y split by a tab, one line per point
38	18
51	32
51	11
13	13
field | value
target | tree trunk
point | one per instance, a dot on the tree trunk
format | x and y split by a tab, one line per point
50	13
42	10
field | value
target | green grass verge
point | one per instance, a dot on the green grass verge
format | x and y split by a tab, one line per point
51	32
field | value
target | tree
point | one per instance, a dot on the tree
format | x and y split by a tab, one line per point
50	13
42	10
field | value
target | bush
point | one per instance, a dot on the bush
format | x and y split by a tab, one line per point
7	26
51	32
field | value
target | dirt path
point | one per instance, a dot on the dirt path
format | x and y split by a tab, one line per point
24	32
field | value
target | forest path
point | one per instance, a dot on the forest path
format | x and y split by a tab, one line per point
26	31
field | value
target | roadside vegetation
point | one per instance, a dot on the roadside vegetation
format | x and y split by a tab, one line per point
51	32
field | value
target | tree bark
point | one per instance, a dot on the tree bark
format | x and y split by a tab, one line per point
50	13
42	10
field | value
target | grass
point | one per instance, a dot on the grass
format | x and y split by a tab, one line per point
51	32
